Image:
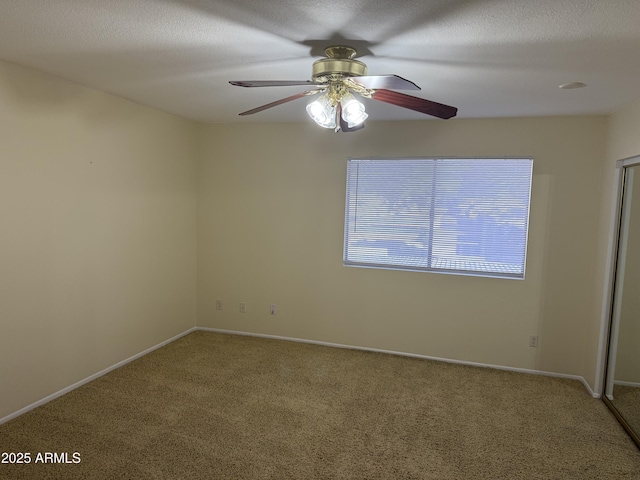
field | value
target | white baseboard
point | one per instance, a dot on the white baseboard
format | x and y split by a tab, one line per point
59	393
290	339
626	384
404	354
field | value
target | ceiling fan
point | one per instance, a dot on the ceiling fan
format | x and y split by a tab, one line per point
337	78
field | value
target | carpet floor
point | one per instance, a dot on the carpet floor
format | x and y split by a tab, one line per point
215	406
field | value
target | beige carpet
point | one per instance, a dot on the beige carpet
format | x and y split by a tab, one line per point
212	406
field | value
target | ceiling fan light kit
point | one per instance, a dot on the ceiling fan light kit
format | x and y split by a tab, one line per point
338	77
353	111
323	112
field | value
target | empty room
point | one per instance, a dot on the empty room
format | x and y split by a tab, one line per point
251	240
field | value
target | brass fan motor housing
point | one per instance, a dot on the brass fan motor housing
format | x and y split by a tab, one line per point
339	63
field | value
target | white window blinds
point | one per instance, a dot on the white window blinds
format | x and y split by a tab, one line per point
449	215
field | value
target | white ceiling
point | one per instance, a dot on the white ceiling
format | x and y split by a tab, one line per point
489	58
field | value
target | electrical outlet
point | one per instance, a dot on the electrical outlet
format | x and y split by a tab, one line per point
273	309
218	304
243	307
533	341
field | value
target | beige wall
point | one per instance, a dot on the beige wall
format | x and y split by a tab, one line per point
623	142
98	239
271	213
97	236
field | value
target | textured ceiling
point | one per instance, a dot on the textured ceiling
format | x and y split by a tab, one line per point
489	58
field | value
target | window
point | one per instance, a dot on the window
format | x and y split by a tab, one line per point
450	215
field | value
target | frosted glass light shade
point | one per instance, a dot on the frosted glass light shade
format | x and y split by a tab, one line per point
323	112
352	111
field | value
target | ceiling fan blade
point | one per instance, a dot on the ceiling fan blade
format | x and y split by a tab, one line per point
393	82
414	103
272	83
281	101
